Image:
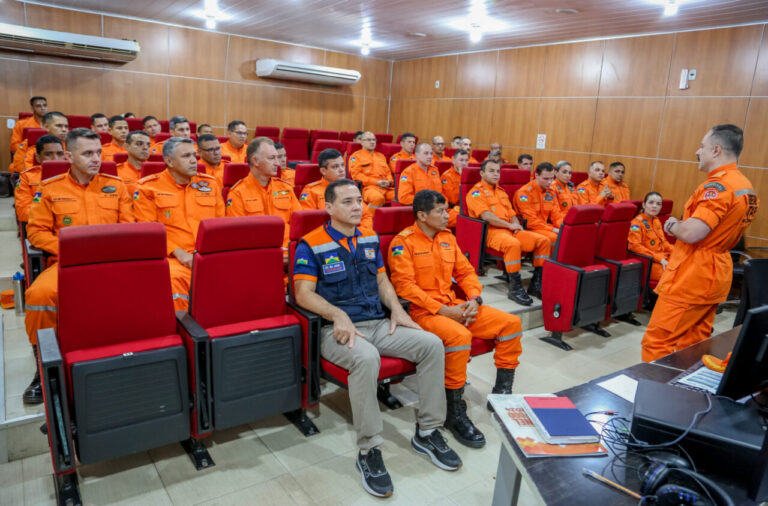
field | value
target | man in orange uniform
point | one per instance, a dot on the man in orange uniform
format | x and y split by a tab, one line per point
537	203
490	203
438	148
118	129
424	259
137	146
287	174
262	193
235	147
466	145
39	109
565	190
593	189
179	198
179	127
698	275
204	128
370	167
407	145
614	181
495	146
152	127
422	175
452	177
331	163
82	196
525	162
456	142
24	157
99	122
210	154
48	147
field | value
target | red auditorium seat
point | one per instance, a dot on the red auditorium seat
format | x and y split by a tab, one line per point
381	138
305	173
120	157
315	135
162	137
193	128
480	154
164	126
105	137
321	144
578	177
296	142
347	136
233	172
246	343
449	152
442	166
638	206
627	281
108	168
388	149
267	131
512	180
352	147
155	157
79	122
23	115
122	379
222	139
149	168
509	166
400	166
388	224
575	287
470	232
31	135
134	124
224	158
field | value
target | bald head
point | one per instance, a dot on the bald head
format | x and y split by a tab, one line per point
423	154
368	141
438	145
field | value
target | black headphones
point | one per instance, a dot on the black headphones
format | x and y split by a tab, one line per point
663	467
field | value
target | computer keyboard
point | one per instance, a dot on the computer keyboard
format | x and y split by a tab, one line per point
698	377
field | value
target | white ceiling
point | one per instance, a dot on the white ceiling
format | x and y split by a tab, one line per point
337	24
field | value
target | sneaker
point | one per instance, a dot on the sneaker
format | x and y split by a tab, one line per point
376	480
438	451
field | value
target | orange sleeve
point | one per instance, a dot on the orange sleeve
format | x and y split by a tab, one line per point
529	211
126	206
405	190
636	243
18	130
144	204
221	208
403	277
556	217
17	165
40	227
476	205
308	198
712	209
235	206
22	197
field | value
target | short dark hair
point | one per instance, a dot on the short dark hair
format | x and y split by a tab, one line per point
651	194
50	115
36	97
330	191
279	146
201	125
234	124
115	119
327	155
729	137
74	135
129	115
46	139
524	156
460	152
206	138
358	133
134	133
592	164
457	138
175	121
486	162
616	164
148	118
96	116
406	135
426	200
544	167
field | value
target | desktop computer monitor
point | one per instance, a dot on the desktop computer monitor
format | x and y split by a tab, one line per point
747	370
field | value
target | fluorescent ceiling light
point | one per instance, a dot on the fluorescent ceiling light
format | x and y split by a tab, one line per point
210	13
671	8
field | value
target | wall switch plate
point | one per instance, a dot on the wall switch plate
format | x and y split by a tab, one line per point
692	75
437	84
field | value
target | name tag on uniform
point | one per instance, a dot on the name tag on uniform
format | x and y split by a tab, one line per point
333	268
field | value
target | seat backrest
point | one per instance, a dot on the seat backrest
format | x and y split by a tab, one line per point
509	166
380	138
237	273
79	122
387	149
666	206
613	230
222	139
321	144
91	310
638	205
449	152
267	131
109	168
134	124
470	176
305	173
155	157
347	135
105	137
23	115
302	222
511	180
475	165
578	235
51	168
388	222
33	134
201	168
120	157
162	136
193	129
353	147
164	125
578	177
442	166
149	168
480	154
315	135
234	172
296	142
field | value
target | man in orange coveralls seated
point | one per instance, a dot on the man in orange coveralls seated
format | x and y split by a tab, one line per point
179	198
48	147
698	275
370	167
451	178
137	145
118	129
422	175
424	259
39	109
614	181
537	203
81	196
593	190
210	155
646	236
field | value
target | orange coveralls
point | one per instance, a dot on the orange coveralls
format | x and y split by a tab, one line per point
451	183
18	130
369	168
444	158
288	175
698	276
180	208
539	207
620	191
130	176
589	193
108	151
313	197
566	196
414	179
23	158
24	193
400	155
217	172
67	203
646	237
422	269
484	197
236	155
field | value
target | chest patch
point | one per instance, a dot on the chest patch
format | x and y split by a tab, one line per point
370	253
333	268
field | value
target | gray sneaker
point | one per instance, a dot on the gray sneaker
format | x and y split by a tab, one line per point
438	451
376	480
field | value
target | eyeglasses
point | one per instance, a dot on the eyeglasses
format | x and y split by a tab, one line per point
368	139
439	143
212	150
241	134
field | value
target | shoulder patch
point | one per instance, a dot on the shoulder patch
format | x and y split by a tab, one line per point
54	178
205	175
406	232
634	228
109	176
150	177
314	183
717	186
235	185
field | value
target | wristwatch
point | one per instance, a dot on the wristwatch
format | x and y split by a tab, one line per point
477	299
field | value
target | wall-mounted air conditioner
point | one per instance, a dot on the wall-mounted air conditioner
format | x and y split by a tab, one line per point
75	45
291	71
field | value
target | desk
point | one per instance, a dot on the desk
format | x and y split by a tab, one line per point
559	480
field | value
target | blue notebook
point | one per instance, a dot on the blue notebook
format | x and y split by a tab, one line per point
558	420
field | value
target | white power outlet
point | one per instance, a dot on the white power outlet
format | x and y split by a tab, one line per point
692	75
437	84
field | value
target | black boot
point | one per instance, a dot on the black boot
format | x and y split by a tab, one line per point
516	290
504	380
34	392
459	423
534	288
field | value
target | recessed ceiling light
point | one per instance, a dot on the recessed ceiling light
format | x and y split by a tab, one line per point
566	11
365	50
671	8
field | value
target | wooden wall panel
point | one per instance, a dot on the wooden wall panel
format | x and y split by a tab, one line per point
142	94
62	20
568	123
15	85
476	74
375	73
573	69
677	181
628	126
199	101
760	84
196	53
755	151
636	66
687	120
416	78
724	60
69	91
298	108
638	174
342	112
376	114
579	161
152	37
13	13
515	121
469	118
243	53
244	101
520	72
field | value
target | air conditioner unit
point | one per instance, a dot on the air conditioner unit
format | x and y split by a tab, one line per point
291	71
75	45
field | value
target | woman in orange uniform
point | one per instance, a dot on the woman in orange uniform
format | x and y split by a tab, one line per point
646	236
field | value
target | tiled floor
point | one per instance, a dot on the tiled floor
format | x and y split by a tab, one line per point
270	462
